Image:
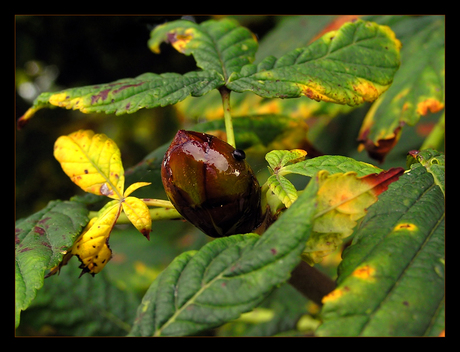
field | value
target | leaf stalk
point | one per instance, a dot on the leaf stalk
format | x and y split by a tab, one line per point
225	94
155	214
311	282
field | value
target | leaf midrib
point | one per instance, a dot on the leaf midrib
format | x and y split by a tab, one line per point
220	276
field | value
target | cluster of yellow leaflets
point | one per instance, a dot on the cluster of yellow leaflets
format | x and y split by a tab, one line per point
93	162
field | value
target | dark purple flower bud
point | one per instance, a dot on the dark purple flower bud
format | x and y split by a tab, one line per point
211	184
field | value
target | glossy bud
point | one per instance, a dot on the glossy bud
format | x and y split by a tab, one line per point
211	184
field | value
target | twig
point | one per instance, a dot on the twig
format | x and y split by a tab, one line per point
311	282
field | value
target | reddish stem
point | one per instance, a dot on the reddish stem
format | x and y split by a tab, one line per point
311	282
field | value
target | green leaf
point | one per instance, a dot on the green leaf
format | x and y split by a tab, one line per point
352	65
333	164
225	278
283	189
128	95
289	33
391	279
221	46
41	241
433	161
278	313
349	66
418	87
71	306
278	159
284	162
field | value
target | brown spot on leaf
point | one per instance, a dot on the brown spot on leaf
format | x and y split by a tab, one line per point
146	233
127	86
105	191
102	95
44	221
39	230
46	244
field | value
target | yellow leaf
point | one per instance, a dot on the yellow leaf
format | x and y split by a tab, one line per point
92	161
343	198
138	213
92	246
135	186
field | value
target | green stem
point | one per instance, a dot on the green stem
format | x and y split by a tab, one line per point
158	203
155	214
225	94
436	136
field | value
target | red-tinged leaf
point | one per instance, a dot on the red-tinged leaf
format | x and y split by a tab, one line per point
336	24
381	181
378	150
417	90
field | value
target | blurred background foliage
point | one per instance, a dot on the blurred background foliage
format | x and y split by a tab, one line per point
57	52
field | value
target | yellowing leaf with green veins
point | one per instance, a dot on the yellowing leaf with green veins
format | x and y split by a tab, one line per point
417	90
92	247
391	281
342	199
138	213
221	46
352	65
283	189
92	161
